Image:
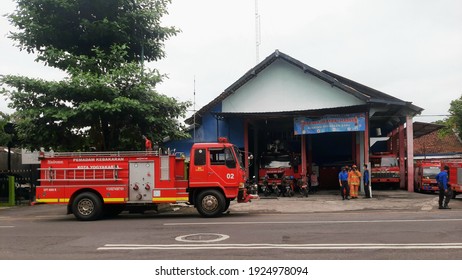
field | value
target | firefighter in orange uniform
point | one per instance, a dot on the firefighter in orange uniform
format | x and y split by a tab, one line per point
148	143
354	180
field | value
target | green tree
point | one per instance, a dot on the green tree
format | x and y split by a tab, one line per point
454	122
108	99
4	137
52	28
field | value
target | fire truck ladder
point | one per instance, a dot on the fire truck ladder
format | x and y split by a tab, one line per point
101	154
80	174
90	174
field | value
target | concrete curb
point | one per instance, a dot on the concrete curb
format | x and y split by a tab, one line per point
331	202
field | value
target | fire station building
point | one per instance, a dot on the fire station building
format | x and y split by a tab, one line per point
322	119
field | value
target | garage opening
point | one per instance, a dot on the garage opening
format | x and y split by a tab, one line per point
277	152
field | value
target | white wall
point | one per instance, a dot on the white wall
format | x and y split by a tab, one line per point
284	87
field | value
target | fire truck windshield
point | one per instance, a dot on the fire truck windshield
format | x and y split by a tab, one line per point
431	171
239	156
384	162
275	161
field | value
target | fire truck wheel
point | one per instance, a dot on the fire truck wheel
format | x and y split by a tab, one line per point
210	203
87	207
228	201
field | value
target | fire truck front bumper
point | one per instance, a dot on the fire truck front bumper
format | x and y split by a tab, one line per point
427	187
245	197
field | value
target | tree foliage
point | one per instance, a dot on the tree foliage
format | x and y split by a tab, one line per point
51	27
452	124
4	137
108	99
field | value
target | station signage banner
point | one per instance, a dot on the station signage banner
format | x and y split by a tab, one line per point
330	123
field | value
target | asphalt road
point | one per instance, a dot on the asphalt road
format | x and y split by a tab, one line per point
45	232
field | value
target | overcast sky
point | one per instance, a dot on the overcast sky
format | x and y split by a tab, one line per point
410	49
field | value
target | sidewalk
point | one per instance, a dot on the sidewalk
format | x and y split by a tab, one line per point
330	201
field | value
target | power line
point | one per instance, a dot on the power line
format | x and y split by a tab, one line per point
432	116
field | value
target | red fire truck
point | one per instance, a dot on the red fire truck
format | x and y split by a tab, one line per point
384	169
278	167
425	172
94	185
455	175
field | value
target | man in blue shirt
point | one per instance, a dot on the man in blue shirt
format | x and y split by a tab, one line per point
367	190
343	181
444	189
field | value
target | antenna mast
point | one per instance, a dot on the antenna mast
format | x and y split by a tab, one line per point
257	32
194	112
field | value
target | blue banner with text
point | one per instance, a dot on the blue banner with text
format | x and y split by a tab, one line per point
330	123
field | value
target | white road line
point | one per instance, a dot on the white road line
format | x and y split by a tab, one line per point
49	216
314	222
6	226
371	246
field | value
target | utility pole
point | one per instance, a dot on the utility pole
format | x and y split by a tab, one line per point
257	32
10	129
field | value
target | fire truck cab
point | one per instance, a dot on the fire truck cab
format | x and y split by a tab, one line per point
99	184
425	173
384	169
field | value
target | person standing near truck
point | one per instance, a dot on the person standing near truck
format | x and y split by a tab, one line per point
314	182
343	182
444	189
354	180
366	182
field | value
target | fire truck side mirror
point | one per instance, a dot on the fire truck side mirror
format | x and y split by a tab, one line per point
230	163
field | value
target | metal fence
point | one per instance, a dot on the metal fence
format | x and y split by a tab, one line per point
25	182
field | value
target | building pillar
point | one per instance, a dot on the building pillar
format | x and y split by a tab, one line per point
410	153
365	150
401	155
256	151
303	151
366	140
310	155
246	147
353	147
392	143
361	158
358	149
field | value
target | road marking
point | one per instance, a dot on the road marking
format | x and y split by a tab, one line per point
314	222
6	226
20	218
202	237
368	246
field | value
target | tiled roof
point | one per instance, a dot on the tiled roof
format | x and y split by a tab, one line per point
433	143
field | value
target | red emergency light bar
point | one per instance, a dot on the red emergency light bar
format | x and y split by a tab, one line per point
222	140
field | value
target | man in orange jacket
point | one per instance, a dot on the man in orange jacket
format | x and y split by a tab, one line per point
354	180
